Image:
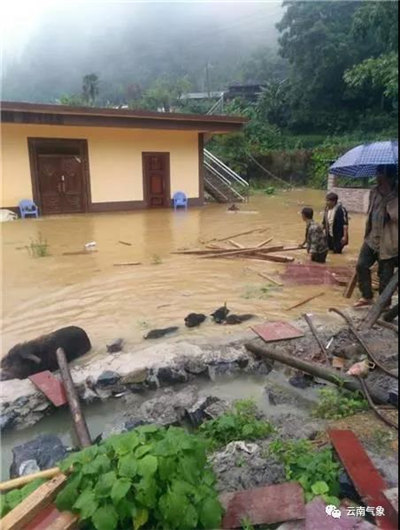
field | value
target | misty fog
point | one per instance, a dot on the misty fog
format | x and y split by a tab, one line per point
135	43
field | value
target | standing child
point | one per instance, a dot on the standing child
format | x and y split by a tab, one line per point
335	224
315	240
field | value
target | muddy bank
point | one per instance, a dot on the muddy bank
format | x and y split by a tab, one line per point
170	363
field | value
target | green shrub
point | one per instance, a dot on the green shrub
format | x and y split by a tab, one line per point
10	500
337	403
316	471
239	424
150	478
38	248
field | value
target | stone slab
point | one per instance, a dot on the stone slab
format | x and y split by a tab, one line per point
318	519
267	505
273	331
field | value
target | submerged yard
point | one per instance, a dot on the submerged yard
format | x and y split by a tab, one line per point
108	301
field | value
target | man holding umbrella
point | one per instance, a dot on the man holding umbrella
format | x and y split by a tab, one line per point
381	234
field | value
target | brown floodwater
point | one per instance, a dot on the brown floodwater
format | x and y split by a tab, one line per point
108	301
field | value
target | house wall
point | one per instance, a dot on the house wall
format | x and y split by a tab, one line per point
353	199
115	160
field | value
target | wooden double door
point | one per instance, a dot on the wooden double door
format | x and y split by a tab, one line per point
59	175
60	184
156	180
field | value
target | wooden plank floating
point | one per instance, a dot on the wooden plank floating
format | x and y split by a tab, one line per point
26	479
79	253
304	301
127	263
240	234
33	504
263	243
366	478
125	243
79	422
235	243
266	277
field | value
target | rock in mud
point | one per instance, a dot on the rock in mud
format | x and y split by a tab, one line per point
46	450
241	466
115	346
169	375
301	380
203	410
7	419
108	378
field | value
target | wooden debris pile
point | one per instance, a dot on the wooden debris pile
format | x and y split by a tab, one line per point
214	249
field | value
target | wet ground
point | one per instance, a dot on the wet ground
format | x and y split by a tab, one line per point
108	301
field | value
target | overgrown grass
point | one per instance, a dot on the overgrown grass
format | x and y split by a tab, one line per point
336	403
241	423
316	471
254	291
38	248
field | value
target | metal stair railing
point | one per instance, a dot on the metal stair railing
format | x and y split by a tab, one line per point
223	180
217	105
231	175
216	190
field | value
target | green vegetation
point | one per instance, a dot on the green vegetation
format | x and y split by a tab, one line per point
11	499
316	471
156	259
239	424
336	403
151	477
38	248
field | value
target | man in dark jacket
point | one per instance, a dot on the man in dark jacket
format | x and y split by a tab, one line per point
381	234
335	224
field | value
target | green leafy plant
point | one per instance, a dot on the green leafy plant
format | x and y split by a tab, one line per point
270	190
38	248
338	403
150	478
316	471
239	424
11	499
156	260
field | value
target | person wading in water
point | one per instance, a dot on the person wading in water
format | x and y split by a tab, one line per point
381	235
336	224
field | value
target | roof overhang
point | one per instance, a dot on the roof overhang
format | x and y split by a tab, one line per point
43	114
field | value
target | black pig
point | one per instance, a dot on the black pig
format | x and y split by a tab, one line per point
39	354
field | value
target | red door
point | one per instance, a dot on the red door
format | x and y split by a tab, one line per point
156	179
60	180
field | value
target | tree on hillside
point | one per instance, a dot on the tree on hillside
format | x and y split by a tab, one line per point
315	39
90	88
376	23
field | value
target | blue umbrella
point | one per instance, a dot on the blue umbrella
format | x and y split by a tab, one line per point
363	160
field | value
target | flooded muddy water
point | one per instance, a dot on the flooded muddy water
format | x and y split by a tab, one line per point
100	415
108	301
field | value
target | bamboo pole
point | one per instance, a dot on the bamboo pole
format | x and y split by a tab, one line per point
316	336
304	301
25	511
127	263
263	243
240	234
348	382
266	277
351	285
78	419
235	244
26	479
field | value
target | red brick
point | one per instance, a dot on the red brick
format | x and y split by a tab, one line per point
271	331
267	505
50	386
